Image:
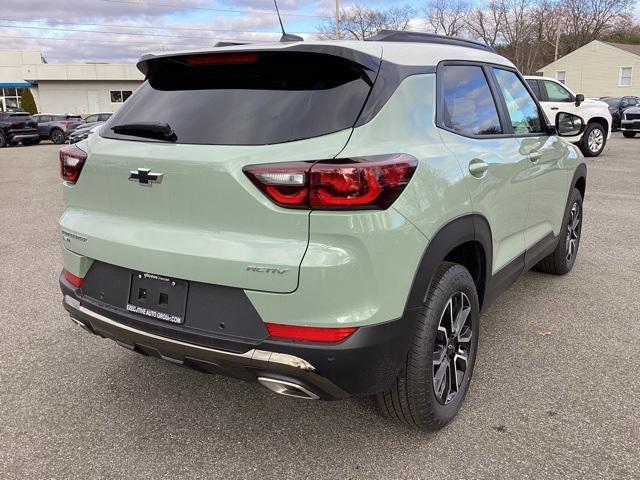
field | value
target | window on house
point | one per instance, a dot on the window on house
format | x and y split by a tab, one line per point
10	97
625	76
119	96
561	76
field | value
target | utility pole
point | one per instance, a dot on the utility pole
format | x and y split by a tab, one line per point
338	19
559	24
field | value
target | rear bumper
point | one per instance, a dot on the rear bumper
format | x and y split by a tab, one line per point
365	363
18	137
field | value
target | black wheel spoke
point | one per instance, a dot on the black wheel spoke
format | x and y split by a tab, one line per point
440	379
452	347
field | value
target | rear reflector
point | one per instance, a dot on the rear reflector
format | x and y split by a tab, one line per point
342	184
72	160
223	59
72	279
309	334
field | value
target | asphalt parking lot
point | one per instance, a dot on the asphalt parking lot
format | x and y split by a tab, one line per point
556	390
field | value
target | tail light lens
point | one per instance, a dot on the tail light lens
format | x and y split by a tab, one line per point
73	280
309	334
232	58
345	184
71	162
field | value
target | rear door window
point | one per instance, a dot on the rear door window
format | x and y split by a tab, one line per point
468	106
251	98
523	111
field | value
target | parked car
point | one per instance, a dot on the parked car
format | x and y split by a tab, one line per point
97	117
56	127
556	97
617	106
630	123
83	132
335	228
16	127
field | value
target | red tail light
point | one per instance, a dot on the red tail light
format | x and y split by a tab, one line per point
73	280
346	184
309	334
71	162
223	59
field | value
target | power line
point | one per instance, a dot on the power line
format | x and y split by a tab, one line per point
111	25
128	33
112	42
168	5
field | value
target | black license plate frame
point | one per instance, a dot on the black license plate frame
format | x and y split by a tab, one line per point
158	297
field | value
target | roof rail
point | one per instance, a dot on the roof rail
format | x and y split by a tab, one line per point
420	37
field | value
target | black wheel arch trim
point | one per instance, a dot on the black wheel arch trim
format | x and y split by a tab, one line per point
580	174
472	227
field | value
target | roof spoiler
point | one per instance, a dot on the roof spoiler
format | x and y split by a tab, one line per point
369	61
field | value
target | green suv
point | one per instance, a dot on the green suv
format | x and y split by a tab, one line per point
325	218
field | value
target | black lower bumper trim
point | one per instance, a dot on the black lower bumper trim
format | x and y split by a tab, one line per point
365	363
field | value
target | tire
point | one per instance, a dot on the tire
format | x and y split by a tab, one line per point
3	140
593	140
412	397
563	258
629	134
57	136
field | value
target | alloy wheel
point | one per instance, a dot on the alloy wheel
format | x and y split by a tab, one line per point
57	137
452	348
595	140
573	231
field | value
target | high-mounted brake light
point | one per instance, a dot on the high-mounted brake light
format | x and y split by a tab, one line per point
309	334
72	160
72	279
343	184
223	59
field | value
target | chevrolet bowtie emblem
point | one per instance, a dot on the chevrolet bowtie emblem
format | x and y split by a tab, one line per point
145	176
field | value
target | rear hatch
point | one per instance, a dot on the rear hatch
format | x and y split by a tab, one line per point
205	221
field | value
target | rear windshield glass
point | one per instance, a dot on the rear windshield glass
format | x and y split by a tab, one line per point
253	98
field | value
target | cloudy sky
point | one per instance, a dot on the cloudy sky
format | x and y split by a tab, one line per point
120	30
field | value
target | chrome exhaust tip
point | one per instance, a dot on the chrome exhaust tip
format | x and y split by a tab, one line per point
288	389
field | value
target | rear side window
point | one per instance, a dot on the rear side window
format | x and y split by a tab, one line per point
469	107
251	98
557	93
535	86
522	108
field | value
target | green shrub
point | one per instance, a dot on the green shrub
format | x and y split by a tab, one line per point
27	102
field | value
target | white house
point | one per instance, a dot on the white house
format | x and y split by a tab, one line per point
599	69
64	88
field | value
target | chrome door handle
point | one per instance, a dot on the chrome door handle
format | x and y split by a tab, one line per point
478	168
535	156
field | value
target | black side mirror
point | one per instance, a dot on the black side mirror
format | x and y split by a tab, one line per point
569	125
579	99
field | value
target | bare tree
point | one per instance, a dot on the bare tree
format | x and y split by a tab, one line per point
485	22
359	22
447	17
398	18
589	20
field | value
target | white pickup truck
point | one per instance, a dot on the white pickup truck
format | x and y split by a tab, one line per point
555	97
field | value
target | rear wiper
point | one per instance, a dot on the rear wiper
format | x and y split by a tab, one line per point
158	131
